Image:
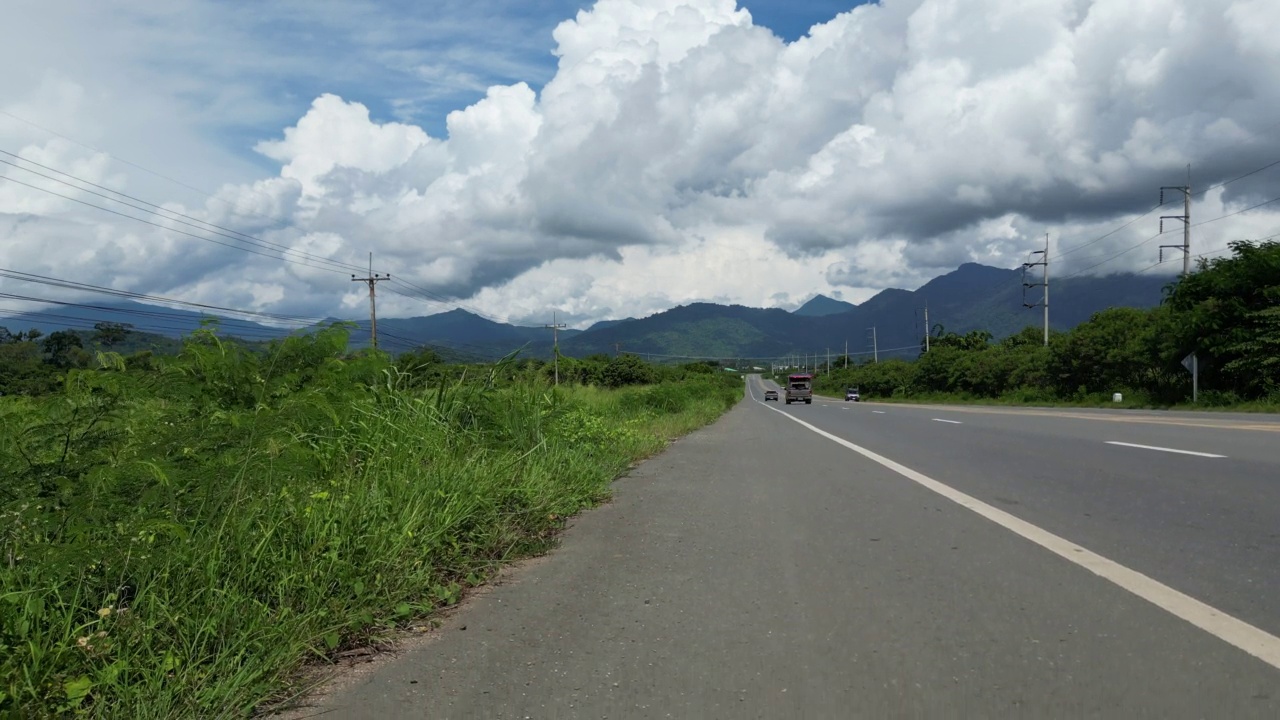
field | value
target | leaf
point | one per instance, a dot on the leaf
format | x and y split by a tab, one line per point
77	689
171	662
403	609
108	674
331	640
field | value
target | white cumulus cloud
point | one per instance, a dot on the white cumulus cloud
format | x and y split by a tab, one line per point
680	153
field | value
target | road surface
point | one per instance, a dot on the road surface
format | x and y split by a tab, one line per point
867	560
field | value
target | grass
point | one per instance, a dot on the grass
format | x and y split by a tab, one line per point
178	546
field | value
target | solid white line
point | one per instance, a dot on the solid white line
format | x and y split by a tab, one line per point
952	422
1164	449
1255	641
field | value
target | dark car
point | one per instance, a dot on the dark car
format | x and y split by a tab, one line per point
770	395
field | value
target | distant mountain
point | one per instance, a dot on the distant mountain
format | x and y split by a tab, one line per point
970	298
973	297
607	324
155	319
697	329
822	305
463	331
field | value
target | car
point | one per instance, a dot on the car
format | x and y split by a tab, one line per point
852	394
771	395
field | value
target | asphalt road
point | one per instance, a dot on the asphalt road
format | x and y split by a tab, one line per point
889	561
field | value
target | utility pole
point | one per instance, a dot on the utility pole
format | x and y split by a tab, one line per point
927	330
1044	262
875	344
846	354
372	281
617	349
555	343
828	361
1185	217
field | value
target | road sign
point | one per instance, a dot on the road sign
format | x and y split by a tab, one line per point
1193	366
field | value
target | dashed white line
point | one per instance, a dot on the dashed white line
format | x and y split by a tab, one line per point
878	412
1252	640
1165	449
949	422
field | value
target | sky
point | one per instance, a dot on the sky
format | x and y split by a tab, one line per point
613	159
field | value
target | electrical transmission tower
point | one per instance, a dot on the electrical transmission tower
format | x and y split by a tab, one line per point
1044	262
1185	217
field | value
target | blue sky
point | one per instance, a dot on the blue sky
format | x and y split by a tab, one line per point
386	50
679	155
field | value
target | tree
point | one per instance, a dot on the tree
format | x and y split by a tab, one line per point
1228	313
32	335
627	370
21	372
109	333
59	348
8	337
1114	350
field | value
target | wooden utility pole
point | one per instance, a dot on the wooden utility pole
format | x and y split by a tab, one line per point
555	343
372	281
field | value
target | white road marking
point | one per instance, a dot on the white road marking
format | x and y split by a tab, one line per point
1255	641
878	412
1164	449
952	422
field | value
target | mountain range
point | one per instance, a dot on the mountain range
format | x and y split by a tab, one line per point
972	297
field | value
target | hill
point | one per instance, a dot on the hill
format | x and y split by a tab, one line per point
972	297
822	305
153	319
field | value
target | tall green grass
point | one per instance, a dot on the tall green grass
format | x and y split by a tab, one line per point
177	544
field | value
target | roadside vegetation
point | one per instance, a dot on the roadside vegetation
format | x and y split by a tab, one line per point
178	535
1227	312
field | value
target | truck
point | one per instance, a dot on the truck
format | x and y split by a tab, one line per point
800	388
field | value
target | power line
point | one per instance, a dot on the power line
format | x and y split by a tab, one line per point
156	210
1224	183
239	237
123	161
1251	207
154	224
1100	238
86	287
243	325
167	323
1239	177
1153	237
156	320
1210	253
